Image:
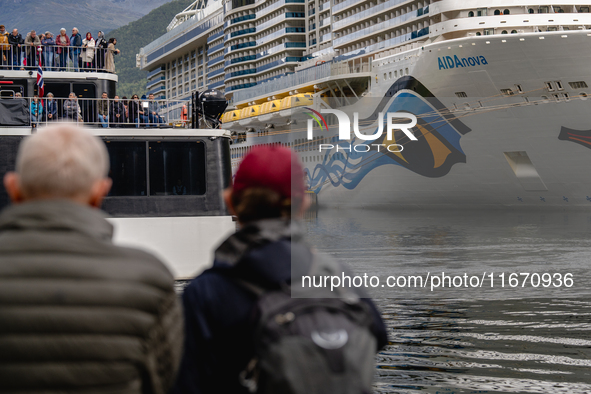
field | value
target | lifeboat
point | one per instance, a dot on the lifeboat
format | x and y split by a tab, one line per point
270	106
297	100
231	116
247	112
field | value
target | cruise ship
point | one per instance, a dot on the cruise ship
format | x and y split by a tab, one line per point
499	91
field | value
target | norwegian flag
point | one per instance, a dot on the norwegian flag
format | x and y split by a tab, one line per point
40	78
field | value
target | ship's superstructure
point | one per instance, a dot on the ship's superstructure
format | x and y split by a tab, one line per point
499	89
240	44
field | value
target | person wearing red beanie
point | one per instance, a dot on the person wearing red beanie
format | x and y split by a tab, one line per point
268	197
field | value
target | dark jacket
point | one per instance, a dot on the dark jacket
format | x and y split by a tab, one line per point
15	40
135	107
51	108
220	331
76	40
77	313
117	108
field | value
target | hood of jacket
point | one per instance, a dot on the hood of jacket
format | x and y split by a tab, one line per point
56	215
261	252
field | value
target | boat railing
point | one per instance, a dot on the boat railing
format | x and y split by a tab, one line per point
54	58
306	76
95	112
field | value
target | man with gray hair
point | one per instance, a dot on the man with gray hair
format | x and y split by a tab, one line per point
78	314
76	48
32	42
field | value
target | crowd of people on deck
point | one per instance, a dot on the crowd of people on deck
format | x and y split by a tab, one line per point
105	112
59	53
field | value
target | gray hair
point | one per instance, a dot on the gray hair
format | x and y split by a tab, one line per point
61	161
63	29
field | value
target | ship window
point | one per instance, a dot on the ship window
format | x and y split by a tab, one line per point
584	9
471	14
461	94
513	31
583	95
478	33
127	161
507	92
497	12
543	10
549	86
578	84
519	88
559	85
177	168
390	75
530	11
506	12
385	76
504	32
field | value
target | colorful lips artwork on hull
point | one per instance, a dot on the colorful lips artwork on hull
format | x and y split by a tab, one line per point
432	155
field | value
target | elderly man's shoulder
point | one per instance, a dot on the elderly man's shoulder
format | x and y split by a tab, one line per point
70	241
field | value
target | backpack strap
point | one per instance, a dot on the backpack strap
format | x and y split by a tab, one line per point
257	290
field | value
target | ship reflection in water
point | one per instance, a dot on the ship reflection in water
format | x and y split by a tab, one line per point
473	340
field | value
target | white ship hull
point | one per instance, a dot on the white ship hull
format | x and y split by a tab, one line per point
513	154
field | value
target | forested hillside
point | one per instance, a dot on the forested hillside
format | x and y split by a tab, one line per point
137	34
92	16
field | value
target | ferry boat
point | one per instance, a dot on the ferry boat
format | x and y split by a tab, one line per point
499	89
167	181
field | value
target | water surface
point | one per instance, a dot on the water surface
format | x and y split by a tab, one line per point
530	339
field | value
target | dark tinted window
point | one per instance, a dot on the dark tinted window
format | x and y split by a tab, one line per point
177	168
241	3
128	168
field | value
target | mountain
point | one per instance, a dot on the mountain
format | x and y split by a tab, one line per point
137	34
86	15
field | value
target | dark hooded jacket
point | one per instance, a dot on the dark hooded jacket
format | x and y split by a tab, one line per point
218	310
79	314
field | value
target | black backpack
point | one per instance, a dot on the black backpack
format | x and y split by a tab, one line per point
311	345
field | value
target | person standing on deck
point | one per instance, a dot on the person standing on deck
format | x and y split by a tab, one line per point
48	51
32	42
63	43
76	44
16	41
110	57
4	48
